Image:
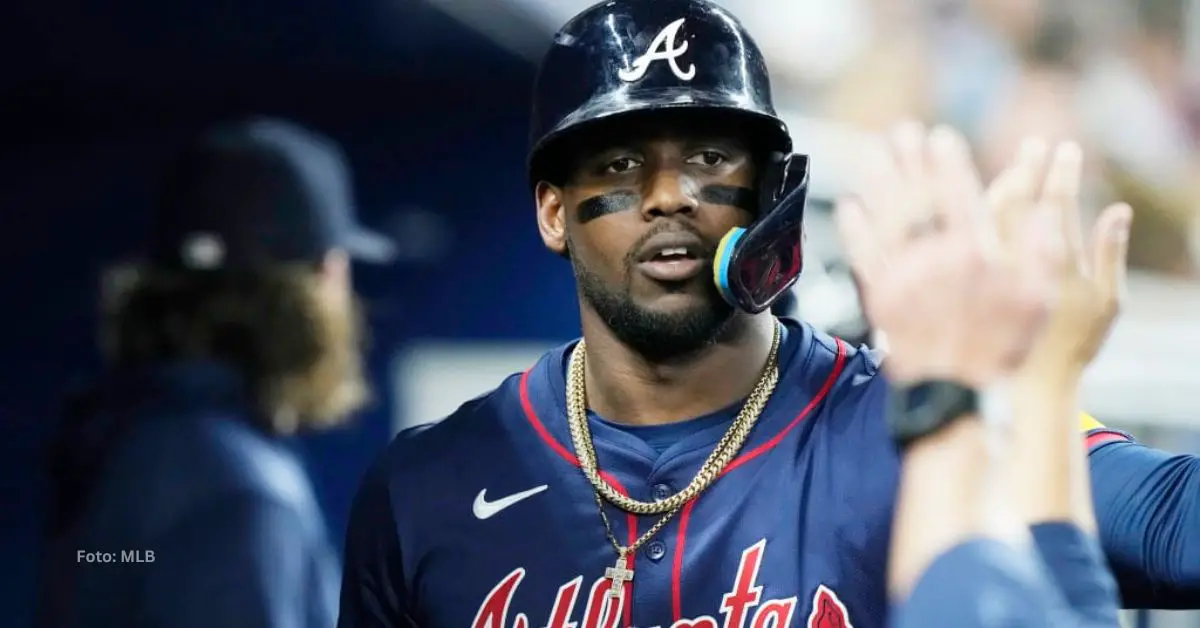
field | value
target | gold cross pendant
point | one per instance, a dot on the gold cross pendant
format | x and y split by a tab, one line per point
619	574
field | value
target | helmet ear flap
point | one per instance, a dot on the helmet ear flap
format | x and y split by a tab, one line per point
755	266
770	180
781	174
797	169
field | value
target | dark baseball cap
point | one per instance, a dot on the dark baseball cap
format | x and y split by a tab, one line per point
255	193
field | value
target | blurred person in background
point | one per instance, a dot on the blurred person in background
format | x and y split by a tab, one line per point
177	501
1167	241
972	492
1107	73
975	53
1038	99
1135	96
889	80
1137	102
698	425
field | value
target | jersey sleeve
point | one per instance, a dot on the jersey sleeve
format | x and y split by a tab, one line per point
983	584
1148	510
1075	564
373	592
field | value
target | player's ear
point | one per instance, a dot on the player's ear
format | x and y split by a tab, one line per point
552	217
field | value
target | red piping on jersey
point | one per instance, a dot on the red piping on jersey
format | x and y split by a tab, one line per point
631	521
677	566
685	514
677	561
1096	439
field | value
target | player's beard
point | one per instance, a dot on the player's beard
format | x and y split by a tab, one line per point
656	336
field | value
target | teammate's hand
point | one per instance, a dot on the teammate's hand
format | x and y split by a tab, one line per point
954	300
1090	278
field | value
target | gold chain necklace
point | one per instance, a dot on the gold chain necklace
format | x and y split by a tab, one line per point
728	447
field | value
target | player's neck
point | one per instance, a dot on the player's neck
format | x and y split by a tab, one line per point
623	386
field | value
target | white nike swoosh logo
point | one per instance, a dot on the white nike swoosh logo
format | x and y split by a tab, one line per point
484	509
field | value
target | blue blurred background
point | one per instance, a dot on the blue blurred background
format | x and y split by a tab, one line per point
432	117
429	99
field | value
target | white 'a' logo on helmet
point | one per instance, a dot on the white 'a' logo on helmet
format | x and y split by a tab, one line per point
663	48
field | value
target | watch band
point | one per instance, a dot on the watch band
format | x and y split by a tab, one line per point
925	407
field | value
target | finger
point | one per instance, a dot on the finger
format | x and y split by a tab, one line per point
956	190
1042	242
1012	197
860	240
1110	251
909	145
882	193
1061	193
998	200
1030	167
908	140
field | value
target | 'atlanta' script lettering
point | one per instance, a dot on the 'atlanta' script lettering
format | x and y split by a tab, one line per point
742	607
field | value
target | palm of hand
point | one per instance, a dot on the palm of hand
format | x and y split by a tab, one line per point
1082	315
1089	281
983	315
954	299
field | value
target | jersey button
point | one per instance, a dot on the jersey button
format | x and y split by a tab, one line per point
655	550
662	491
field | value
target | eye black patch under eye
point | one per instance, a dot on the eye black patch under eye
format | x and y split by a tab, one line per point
731	196
605	204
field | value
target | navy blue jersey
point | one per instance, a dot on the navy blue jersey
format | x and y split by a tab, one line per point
1075	565
1059	582
1148	511
986	583
173	509
484	519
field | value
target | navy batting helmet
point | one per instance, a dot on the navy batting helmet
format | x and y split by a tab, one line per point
623	57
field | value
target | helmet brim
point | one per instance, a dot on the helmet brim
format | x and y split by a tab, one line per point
768	130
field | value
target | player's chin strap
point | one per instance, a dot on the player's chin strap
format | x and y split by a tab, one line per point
755	265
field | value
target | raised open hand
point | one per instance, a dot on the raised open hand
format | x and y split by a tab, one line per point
955	299
1090	277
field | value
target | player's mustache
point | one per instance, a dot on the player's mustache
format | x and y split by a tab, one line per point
628	200
708	248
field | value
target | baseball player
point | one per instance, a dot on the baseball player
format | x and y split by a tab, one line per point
177	500
692	460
